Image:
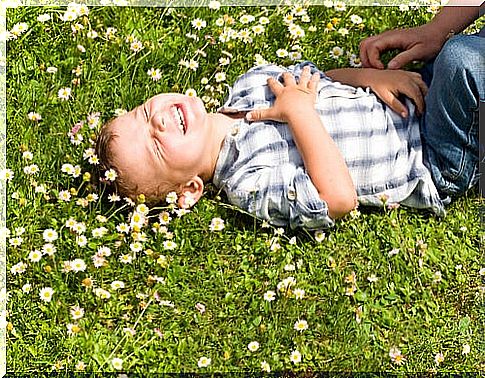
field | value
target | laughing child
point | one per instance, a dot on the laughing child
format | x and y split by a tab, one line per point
300	148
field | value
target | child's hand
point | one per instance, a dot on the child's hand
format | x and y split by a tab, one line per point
291	97
388	85
324	163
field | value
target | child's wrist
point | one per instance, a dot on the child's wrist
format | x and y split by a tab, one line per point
298	115
366	77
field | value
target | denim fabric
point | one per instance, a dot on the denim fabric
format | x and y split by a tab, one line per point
449	127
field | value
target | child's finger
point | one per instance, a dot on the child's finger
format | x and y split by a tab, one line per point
305	76
396	105
261	114
418	80
274	85
415	94
422	86
288	79
314	80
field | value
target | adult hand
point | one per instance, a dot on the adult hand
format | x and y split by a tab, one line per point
291	97
388	85
419	43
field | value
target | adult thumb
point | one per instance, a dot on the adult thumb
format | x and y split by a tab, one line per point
401	59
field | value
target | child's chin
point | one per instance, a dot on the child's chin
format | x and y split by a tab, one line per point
199	101
199	105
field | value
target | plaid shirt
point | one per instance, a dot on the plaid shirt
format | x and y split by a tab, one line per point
261	170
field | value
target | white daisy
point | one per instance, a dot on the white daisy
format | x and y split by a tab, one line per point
253	346
295	357
49	235
64	93
204	362
46	294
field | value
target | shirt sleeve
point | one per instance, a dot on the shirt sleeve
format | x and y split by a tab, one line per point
283	195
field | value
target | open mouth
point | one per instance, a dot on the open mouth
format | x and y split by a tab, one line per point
179	118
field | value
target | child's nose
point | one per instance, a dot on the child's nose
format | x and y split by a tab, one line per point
158	122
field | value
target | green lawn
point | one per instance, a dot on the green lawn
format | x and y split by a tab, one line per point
179	296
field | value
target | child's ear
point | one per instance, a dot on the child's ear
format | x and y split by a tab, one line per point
191	192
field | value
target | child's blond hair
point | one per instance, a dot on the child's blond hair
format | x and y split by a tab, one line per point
123	185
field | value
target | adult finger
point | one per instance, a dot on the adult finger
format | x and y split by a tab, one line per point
373	56
364	46
402	59
370	51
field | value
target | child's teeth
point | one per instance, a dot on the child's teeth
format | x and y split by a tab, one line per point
179	116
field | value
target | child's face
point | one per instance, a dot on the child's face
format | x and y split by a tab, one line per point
165	139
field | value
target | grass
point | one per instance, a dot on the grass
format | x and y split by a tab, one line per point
424	298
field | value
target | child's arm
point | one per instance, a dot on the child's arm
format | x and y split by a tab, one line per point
387	84
295	105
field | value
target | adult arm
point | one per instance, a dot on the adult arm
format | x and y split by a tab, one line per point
422	42
295	105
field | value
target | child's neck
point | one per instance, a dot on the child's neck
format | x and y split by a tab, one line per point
221	125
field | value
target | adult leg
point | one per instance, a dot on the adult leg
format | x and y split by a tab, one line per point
450	124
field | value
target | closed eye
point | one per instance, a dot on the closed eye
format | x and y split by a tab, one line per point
156	149
145	110
156	146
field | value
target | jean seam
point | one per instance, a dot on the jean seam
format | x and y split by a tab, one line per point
462	166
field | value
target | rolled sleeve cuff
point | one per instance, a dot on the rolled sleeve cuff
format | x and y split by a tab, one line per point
307	209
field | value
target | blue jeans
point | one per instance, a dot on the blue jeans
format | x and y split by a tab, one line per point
449	128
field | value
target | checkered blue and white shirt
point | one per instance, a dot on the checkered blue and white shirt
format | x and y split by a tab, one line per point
261	170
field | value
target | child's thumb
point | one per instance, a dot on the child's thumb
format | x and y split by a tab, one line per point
258	114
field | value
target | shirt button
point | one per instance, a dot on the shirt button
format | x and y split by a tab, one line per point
235	130
291	195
